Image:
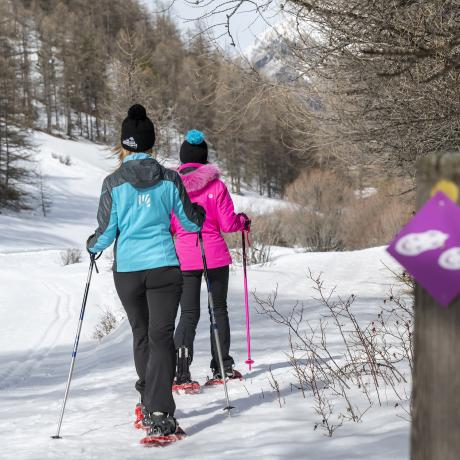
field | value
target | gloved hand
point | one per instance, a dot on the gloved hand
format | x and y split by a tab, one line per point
200	212
246	221
87	244
93	255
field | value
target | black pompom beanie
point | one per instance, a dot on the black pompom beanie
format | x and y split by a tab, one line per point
194	149
137	130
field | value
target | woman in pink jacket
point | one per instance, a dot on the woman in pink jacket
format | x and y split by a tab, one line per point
203	184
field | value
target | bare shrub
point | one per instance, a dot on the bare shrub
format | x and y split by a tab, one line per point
319	190
71	256
374	220
266	232
313	231
348	364
106	324
276	388
328	215
315	223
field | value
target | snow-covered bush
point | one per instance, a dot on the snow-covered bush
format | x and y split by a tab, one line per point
71	256
65	160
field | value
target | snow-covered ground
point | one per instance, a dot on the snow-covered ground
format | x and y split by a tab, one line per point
39	305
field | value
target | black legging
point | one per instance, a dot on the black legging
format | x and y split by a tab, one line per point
151	299
190	313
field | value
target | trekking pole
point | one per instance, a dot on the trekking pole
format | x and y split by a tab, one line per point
214	325
249	361
77	339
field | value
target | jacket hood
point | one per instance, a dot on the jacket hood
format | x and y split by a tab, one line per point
199	178
142	173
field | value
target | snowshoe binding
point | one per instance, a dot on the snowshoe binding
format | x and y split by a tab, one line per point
183	384
163	430
230	374
140	412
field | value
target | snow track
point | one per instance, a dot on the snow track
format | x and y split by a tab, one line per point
19	373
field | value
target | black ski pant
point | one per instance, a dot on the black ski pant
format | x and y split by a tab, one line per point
190	313
151	299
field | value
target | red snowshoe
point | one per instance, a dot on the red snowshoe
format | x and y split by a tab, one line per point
163	430
188	388
163	441
230	374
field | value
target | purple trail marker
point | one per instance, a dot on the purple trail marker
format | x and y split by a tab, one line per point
428	247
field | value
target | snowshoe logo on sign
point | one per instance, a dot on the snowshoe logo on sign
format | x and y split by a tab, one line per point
428	247
130	143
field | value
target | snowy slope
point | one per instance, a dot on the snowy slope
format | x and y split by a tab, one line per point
39	305
72	191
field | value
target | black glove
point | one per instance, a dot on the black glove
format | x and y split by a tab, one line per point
200	213
93	255
87	243
247	221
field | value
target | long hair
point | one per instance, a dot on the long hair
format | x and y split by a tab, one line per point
121	153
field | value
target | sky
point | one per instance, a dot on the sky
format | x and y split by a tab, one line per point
245	26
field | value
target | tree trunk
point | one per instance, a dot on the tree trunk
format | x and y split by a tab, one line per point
80	123
68	113
27	79
96	119
436	385
55	97
87	125
49	121
7	152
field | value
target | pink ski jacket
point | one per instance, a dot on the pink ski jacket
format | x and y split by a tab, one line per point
205	188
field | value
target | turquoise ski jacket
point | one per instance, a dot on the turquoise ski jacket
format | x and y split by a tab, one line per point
135	209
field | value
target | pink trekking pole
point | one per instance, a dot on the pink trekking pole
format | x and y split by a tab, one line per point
249	361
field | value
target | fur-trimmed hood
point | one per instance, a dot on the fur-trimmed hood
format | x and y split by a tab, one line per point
199	178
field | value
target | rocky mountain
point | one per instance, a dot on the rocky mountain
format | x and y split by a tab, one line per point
272	52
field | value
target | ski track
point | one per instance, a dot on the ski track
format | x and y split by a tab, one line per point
18	374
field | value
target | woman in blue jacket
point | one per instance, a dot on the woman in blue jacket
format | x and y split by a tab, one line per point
135	209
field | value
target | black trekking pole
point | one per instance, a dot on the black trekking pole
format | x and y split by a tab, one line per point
214	326
92	265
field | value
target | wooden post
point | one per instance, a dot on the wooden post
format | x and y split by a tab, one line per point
436	387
